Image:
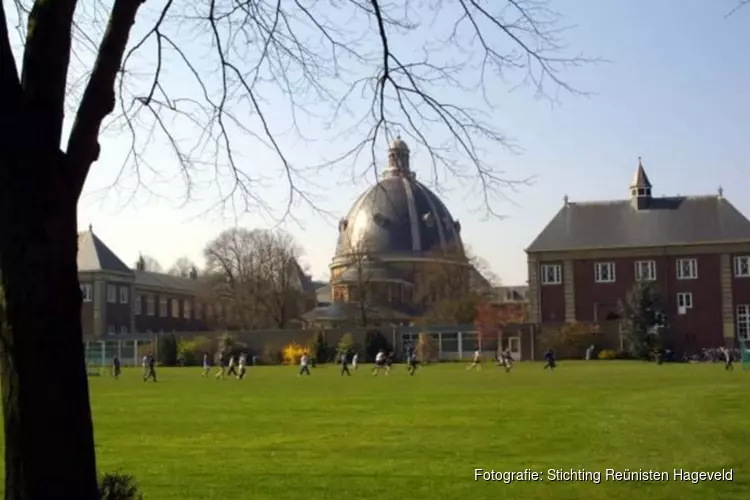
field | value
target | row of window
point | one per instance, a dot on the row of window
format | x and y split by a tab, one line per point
645	270
167	307
87	291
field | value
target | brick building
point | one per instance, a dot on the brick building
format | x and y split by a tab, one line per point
694	249
119	301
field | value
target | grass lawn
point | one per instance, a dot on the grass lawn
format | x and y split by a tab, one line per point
277	436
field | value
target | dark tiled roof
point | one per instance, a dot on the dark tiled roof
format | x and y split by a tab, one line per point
167	281
94	255
666	222
343	311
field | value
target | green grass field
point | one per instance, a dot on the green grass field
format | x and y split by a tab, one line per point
277	436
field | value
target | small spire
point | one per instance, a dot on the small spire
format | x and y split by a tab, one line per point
91	228
721	192
565	200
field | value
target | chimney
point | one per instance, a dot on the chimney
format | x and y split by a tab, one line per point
140	264
193	273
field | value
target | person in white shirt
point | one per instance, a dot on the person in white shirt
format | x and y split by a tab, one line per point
355	360
379	362
303	365
507	360
476	361
241	366
144	363
206	366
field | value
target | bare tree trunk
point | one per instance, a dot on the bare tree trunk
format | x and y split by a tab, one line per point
49	442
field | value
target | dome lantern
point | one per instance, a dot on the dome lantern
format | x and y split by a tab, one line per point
398	159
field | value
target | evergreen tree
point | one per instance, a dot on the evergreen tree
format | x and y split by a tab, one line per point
643	318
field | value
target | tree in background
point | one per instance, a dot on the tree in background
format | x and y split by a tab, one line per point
183	267
318	347
573	338
170	94
492	320
375	342
643	318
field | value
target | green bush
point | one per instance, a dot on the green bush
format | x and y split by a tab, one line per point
318	348
271	355
115	486
608	354
192	350
167	350
346	343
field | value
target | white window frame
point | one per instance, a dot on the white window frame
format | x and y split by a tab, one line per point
649	266
742	266
743	322
150	305
112	294
87	292
175	308
187	308
124	292
684	299
691	265
551	274
599	272
138	304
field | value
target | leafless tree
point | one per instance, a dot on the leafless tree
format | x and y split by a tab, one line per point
183	267
358	284
150	264
256	275
204	78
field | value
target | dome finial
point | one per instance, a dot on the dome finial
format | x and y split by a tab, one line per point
721	192
398	158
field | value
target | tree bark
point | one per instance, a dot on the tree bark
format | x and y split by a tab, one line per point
49	442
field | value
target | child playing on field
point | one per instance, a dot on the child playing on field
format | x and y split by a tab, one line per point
476	361
379	363
206	366
412	361
116	367
355	360
549	357
303	365
241	366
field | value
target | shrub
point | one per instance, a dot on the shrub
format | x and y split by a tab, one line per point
115	486
271	355
291	353
318	347
192	351
167	350
624	355
608	354
346	343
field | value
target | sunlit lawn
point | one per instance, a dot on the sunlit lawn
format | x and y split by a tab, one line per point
277	436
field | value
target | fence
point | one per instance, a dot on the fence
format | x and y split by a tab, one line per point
99	353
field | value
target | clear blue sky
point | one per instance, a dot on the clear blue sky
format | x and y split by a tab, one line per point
674	92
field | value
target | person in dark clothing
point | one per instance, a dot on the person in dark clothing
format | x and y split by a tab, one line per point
388	363
232	369
412	362
549	357
116	367
345	363
150	369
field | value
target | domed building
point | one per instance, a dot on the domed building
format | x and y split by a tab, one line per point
399	250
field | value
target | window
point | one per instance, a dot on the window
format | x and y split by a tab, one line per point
198	310
111	330
176	308
111	294
124	295
551	274
604	272
87	292
742	267
138	305
687	269
684	301
645	270
150	305
163	308
186	308
743	322
124	330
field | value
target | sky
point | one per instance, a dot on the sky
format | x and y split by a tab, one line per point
672	89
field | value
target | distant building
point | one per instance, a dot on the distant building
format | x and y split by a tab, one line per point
399	250
694	249
118	300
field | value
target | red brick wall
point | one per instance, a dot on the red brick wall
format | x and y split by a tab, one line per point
552	298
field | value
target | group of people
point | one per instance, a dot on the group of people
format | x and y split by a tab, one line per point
232	367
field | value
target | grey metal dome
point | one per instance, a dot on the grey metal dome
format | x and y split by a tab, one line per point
399	215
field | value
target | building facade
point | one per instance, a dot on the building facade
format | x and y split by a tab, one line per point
119	301
695	250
